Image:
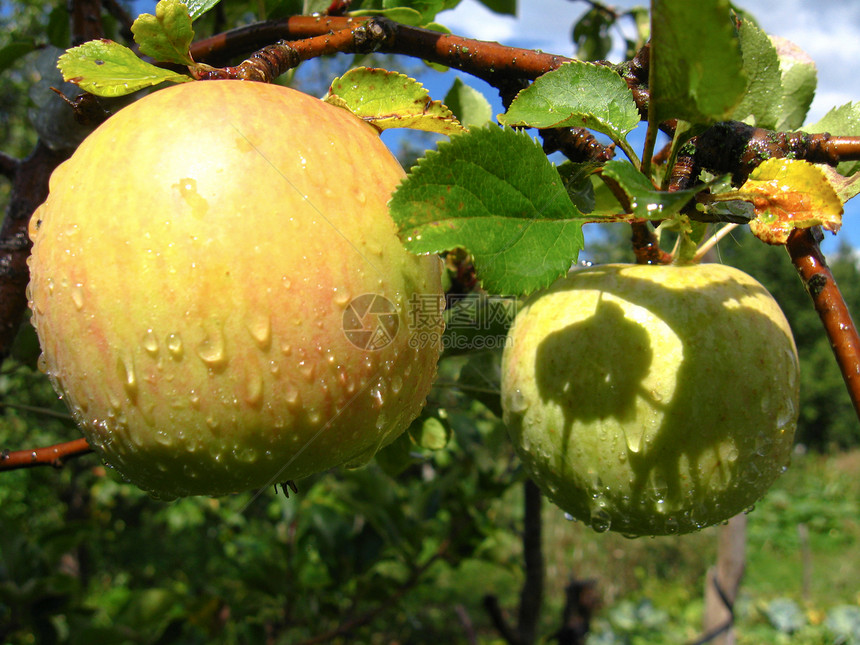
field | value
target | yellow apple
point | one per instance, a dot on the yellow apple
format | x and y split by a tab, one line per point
221	296
652	399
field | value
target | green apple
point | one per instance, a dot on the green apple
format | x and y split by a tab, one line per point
652	399
221	296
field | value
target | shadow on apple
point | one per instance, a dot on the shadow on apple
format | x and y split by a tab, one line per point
681	424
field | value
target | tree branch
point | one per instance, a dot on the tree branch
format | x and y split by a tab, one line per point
803	247
54	455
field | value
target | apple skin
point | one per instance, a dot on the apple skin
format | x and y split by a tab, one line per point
190	272
652	400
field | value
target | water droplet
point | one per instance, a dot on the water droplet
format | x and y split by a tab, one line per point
77	293
634	437
763	444
125	370
254	389
569	517
517	402
150	343
174	346
600	520
306	369
260	328
212	350
292	397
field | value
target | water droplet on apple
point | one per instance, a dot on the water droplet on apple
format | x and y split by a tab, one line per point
634	437
569	517
125	370
212	350
260	328
763	444
517	402
150	343
77	293
174	346
292	397
254	389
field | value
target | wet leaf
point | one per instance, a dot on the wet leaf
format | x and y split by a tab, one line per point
798	81
197	8
106	68
167	35
431	433
761	65
493	192
696	62
580	95
391	100
789	194
646	202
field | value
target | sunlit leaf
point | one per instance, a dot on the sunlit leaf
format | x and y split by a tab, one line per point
106	68
576	95
493	192
391	100
167	35
789	194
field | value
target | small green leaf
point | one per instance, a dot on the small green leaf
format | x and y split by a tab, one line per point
696	71
579	95
431	434
391	100
799	79
467	104
197	8
493	192
844	121
761	65
789	194
508	7
403	15
106	68
167	35
646	202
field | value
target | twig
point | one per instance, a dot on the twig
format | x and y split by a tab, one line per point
55	455
803	247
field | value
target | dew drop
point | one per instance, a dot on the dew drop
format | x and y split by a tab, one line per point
260	328
569	517
254	389
292	397
600	520
127	377
174	346
212	351
77	293
150	343
517	402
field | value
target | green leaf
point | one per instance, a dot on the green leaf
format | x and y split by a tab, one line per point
646	202
403	15
696	69
430	433
508	7
843	121
761	65
106	68
167	35
467	104
391	100
493	192
197	8
577	94
799	79
789	194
